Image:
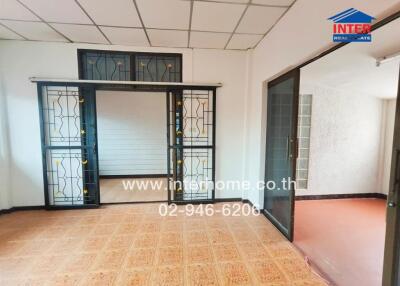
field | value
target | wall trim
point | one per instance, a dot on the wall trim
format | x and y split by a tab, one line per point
220	200
228	200
31	208
24	208
342	196
132	203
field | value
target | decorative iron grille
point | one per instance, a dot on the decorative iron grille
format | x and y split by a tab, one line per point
70	171
126	66
150	67
106	66
192	145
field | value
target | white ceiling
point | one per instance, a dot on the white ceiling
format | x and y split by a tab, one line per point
353	67
219	24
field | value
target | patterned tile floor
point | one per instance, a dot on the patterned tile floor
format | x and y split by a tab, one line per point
134	245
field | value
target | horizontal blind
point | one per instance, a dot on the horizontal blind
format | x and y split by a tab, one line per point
131	133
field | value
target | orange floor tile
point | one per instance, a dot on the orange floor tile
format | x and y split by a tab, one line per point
134	245
344	238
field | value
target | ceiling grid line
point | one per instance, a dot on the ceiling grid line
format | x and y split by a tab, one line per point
277	21
15	32
43	21
142	22
238	3
210	24
129	27
190	22
238	23
94	23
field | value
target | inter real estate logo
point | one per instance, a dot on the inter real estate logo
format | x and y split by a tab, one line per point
352	26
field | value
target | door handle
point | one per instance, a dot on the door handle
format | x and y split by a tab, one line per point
287	148
296	148
396	172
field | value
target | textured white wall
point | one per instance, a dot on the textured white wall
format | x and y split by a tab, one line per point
132	132
22	60
345	142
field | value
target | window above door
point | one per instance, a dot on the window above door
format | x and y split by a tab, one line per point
129	66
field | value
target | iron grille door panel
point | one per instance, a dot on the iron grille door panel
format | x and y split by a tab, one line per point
191	135
68	125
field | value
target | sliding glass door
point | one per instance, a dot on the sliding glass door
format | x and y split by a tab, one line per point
281	151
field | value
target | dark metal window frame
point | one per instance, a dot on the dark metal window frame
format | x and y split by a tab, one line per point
132	56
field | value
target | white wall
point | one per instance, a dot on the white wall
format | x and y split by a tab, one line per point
132	132
4	152
228	68
21	60
302	33
389	117
344	143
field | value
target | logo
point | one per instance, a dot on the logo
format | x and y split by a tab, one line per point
352	26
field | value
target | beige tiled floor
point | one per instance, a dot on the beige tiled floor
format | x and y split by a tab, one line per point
134	245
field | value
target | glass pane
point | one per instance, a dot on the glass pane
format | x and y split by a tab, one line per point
158	68
106	66
61	115
65	176
279	163
197	121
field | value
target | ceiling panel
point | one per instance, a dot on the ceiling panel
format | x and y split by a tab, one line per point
243	42
273	2
126	36
11	9
208	40
258	20
112	13
162	14
63	11
81	33
7	34
168	38
35	31
218	17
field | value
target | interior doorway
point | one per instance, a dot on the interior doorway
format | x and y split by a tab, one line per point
351	136
132	144
345	135
70	146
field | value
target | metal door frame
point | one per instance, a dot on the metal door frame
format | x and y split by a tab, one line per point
392	245
172	193
44	147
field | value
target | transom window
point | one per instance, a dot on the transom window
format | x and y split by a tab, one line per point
129	66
